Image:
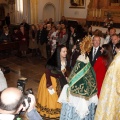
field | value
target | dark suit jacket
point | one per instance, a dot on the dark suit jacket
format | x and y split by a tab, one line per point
42	36
111	44
74	36
96	56
5	37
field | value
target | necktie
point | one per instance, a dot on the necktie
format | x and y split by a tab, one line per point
113	49
94	53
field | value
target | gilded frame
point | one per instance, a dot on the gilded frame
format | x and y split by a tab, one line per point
77	4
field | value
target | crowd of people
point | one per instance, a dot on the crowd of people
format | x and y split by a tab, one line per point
81	80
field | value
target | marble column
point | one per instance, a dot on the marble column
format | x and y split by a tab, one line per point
18	11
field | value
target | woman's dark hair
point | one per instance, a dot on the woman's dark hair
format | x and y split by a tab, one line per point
117	45
54	62
107	54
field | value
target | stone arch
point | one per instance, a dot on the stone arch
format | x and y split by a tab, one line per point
49	11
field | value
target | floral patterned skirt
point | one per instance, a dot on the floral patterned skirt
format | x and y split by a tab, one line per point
68	112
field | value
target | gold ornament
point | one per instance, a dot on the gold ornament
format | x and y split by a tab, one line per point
86	45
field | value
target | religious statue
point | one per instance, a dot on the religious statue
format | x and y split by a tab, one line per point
77	2
108	22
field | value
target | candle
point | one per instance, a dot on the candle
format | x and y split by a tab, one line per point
96	13
93	13
100	13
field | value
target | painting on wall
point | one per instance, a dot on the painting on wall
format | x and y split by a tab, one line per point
77	3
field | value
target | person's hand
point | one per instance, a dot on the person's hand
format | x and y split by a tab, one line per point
67	79
50	87
28	106
5	41
63	71
33	40
32	103
74	47
24	39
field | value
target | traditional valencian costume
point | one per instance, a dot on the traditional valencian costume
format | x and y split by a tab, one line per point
47	104
109	102
79	97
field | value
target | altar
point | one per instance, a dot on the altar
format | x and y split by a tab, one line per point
104	29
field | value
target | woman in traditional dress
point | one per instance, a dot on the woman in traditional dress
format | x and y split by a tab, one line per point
79	96
51	84
101	65
109	102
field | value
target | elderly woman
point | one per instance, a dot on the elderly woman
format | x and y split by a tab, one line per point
23	37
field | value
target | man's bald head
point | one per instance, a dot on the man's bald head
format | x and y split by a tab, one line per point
11	98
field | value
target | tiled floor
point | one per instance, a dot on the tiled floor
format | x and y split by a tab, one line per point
29	67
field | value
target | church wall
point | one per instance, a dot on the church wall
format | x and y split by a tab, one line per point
43	3
75	13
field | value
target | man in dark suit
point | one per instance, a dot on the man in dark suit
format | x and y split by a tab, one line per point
72	37
7	19
114	40
26	25
95	51
41	41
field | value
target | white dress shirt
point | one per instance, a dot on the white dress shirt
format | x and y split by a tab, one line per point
94	53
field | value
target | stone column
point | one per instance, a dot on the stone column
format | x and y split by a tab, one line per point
61	9
18	11
34	11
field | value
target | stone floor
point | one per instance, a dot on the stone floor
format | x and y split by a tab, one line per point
29	67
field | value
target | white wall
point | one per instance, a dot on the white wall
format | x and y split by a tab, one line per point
75	12
41	5
49	12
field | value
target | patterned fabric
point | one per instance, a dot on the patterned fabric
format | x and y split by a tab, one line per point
69	112
80	103
109	102
47	104
82	80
